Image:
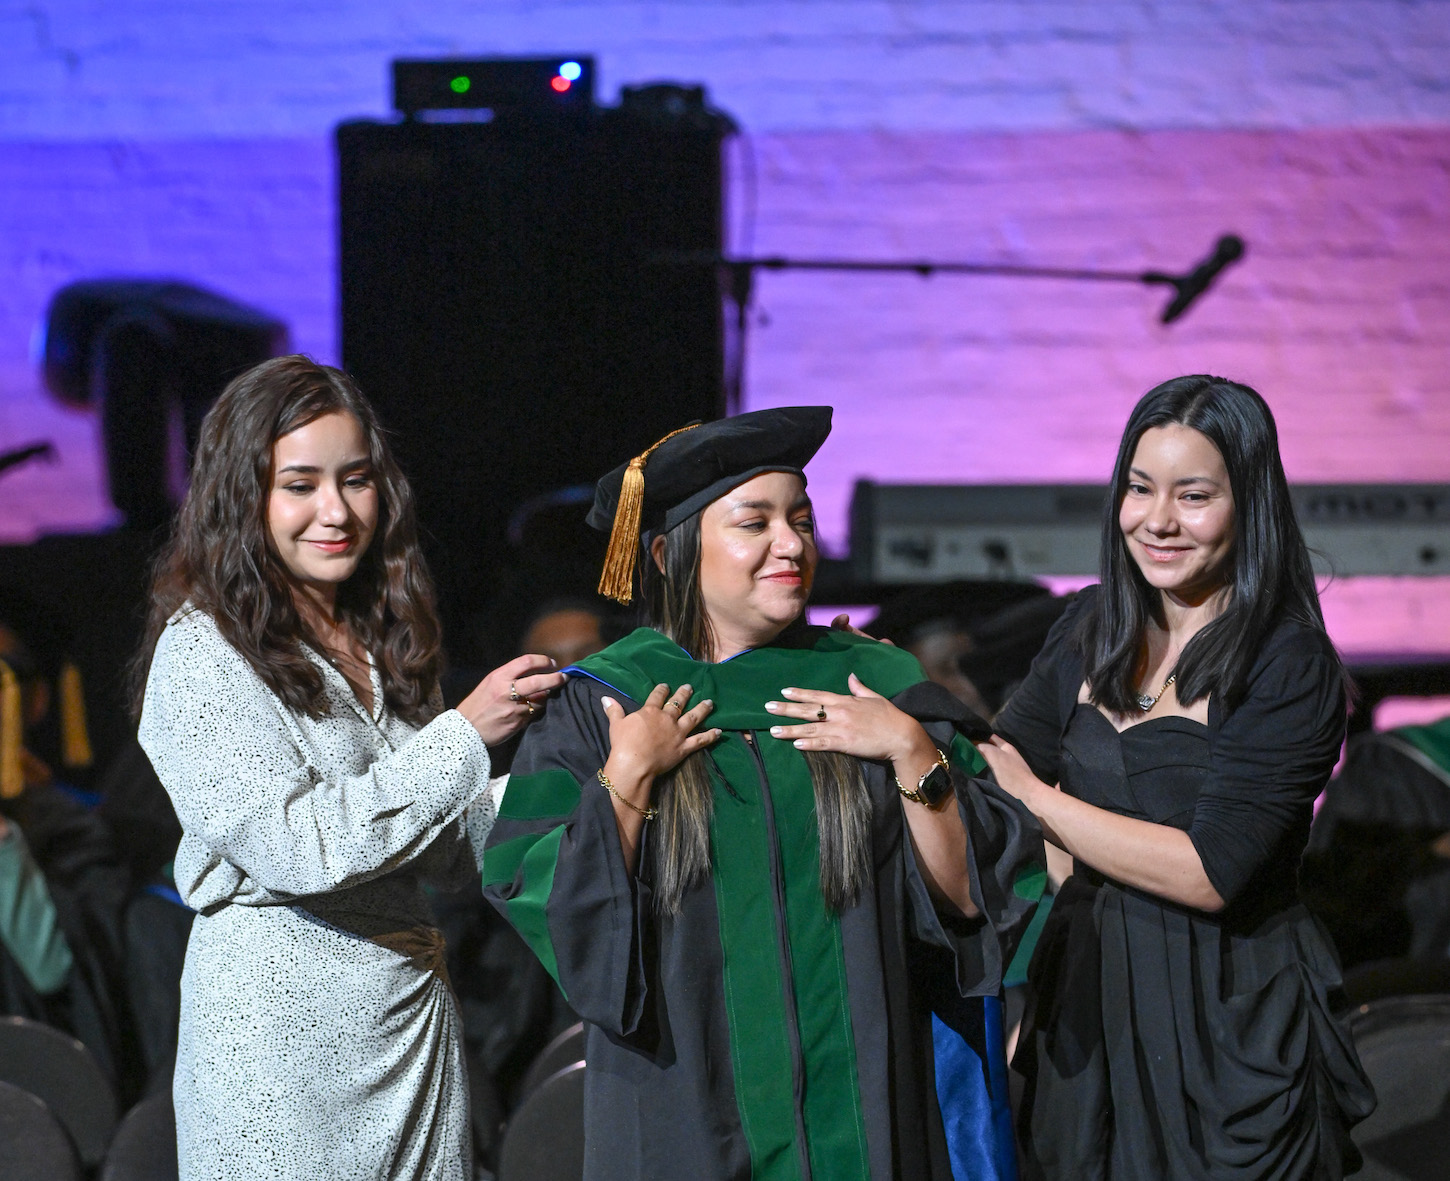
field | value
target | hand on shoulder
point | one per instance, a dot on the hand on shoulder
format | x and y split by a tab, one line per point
511	697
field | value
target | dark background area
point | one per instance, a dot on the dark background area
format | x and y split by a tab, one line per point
501	309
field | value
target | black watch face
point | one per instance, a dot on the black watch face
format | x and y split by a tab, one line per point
936	786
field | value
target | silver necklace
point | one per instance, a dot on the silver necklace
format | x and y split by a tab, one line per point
1145	703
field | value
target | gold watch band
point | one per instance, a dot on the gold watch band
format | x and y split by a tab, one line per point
914	794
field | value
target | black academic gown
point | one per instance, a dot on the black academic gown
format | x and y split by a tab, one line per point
755	1034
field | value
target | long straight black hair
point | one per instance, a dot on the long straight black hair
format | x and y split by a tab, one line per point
1270	576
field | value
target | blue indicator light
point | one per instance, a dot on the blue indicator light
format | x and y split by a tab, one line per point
570	71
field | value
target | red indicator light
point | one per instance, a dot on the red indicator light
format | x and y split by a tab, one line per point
559	83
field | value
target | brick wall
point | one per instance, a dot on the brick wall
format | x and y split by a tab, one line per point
88	69
142	136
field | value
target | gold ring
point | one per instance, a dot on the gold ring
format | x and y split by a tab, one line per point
677	705
530	706
513	693
820	715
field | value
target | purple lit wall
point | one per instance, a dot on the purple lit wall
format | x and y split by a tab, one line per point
147	137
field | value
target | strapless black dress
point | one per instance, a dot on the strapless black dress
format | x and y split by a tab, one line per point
1171	1043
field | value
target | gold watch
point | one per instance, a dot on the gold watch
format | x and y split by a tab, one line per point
933	787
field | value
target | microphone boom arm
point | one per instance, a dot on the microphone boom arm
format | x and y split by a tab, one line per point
1187	287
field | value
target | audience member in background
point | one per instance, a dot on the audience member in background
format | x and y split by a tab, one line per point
62	884
1191	707
937	624
1378	865
157	923
550	554
568	630
565	628
291	709
1004	645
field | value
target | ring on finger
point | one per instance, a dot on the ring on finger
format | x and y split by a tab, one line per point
513	692
821	715
530	706
677	705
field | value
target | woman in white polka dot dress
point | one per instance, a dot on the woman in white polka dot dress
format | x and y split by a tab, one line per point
291	710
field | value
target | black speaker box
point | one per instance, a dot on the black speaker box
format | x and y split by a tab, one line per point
503	309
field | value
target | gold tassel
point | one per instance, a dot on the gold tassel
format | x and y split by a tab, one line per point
12	774
75	738
617	580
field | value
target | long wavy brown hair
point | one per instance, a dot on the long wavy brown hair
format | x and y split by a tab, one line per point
220	557
680	856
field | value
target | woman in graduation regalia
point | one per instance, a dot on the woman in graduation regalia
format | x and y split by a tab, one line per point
754	855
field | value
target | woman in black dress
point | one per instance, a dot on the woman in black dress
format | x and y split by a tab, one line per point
1190	709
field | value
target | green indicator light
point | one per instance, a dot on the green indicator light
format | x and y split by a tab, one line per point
460	85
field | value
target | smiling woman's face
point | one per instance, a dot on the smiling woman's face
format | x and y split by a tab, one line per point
322	511
1177	515
757	560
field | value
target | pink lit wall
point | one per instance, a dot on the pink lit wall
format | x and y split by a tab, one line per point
147	137
1340	314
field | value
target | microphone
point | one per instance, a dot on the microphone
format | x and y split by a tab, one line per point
1228	249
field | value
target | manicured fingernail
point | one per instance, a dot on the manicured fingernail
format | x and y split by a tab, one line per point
777	730
799	744
771	706
606	701
786	692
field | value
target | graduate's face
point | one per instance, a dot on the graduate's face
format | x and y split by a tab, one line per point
1177	516
322	510
757	560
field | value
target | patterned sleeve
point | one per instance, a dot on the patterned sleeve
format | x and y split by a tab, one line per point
231	760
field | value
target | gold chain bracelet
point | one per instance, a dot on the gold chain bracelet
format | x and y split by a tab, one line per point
914	794
647	813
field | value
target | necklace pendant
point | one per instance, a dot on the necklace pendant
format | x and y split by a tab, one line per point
1145	703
